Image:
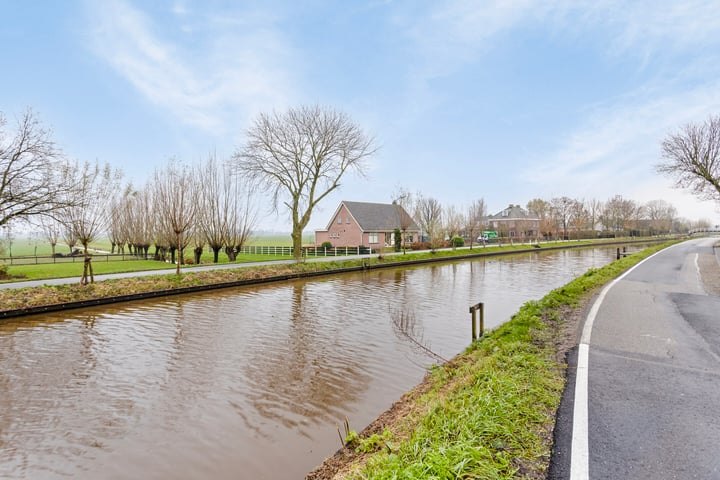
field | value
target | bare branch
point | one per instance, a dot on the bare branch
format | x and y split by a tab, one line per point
32	170
299	157
692	158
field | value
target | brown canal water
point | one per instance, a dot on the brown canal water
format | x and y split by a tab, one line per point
249	382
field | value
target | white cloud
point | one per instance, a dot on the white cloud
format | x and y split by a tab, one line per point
453	34
616	149
215	76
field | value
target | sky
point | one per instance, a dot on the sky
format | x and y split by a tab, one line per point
501	100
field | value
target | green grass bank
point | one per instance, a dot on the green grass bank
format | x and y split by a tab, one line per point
488	413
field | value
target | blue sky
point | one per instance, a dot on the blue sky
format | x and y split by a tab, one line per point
502	100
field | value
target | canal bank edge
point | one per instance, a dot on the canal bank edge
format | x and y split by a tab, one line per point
362	264
550	329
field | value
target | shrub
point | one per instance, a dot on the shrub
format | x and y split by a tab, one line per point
326	245
398	239
420	246
457	241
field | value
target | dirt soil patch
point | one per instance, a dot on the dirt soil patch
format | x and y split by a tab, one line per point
5	276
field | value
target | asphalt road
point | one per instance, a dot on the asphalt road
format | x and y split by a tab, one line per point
645	379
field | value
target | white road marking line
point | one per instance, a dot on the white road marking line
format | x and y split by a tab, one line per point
580	452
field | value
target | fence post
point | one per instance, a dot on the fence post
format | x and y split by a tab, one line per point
473	310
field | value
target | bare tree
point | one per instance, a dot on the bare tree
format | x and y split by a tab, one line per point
429	216
96	185
214	205
692	158
636	218
31	171
579	217
300	156
404	202
228	212
542	209
118	229
241	220
474	219
594	209
661	216
51	230
175	201
561	208
617	214
68	235
453	222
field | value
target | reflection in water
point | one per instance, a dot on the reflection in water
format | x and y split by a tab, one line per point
406	327
303	359
241	383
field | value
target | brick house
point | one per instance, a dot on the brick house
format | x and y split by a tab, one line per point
514	221
367	224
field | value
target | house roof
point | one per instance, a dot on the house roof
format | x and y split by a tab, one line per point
513	212
376	217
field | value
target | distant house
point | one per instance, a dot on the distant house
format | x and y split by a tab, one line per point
514	221
368	224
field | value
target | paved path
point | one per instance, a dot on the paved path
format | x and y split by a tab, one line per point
647	390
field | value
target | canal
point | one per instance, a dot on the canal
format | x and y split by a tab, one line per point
248	382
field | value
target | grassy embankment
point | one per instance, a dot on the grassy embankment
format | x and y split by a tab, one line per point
488	413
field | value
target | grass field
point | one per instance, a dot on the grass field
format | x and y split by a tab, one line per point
29	246
32	246
64	270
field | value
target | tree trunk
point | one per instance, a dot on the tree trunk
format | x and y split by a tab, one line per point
296	236
87	267
198	253
180	253
216	252
231	253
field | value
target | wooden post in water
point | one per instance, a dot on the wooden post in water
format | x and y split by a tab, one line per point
473	310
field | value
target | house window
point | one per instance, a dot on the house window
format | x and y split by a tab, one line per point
339	221
373	237
347	220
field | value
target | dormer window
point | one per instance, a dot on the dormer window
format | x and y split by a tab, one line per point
339	220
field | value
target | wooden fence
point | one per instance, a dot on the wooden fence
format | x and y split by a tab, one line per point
252	250
307	251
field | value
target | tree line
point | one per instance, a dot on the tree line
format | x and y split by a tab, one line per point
296	158
556	218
